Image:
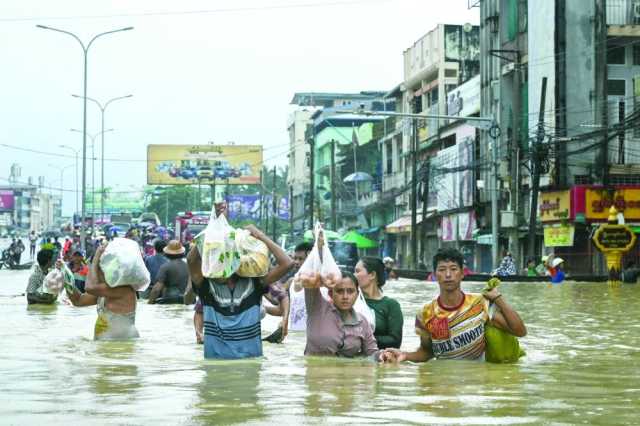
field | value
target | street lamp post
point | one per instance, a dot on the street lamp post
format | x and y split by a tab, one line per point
102	110
93	176
85	50
61	170
76	152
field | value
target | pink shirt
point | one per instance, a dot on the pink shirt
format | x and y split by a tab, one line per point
329	335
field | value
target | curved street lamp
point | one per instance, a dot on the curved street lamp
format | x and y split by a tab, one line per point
85	50
102	110
93	169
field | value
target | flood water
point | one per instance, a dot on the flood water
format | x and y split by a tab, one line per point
582	367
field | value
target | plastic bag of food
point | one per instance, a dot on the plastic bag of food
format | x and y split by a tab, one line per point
53	282
220	256
501	347
69	279
329	271
122	265
309	273
254	255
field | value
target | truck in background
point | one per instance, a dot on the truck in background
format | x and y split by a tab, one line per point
190	224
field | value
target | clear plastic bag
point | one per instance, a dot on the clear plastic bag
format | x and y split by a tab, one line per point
309	273
254	255
329	271
122	265
53	282
363	309
220	257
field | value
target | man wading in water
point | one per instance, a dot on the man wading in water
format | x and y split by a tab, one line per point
452	325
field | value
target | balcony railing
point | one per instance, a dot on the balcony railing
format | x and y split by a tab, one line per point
623	12
392	181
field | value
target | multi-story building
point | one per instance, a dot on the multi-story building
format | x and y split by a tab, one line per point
434	67
315	124
585	143
25	207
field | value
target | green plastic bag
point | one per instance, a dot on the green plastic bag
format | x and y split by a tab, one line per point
500	346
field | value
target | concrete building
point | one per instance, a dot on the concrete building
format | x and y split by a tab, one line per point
312	127
585	142
25	208
434	67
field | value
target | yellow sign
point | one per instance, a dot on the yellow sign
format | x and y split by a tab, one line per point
204	164
598	202
559	236
554	206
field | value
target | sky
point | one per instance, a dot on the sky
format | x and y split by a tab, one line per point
199	72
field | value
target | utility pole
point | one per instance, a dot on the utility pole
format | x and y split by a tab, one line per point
425	206
414	196
312	175
291	210
274	206
261	216
514	182
535	171
601	85
334	218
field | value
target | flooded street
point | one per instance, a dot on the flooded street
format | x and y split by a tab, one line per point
582	363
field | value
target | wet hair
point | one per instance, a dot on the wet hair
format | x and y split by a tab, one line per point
448	255
159	245
44	257
347	274
374	264
305	247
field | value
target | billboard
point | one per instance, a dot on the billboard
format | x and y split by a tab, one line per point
204	164
6	200
247	207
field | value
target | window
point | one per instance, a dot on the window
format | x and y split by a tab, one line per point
615	54
636	54
616	87
389	158
450	72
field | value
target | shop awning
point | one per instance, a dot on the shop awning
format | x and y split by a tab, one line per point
402	225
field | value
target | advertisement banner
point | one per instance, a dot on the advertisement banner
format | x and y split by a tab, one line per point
6	200
466	225
559	236
598	202
454	182
243	207
247	207
554	206
464	100
450	228
204	164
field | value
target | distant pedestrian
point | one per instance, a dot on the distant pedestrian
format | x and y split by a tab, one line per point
33	241
507	266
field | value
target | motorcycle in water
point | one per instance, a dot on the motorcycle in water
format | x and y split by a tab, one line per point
8	260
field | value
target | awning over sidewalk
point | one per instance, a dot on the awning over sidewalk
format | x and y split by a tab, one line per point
402	225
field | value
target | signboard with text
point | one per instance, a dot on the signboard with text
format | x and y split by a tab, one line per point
554	206
625	200
204	164
559	236
6	200
614	237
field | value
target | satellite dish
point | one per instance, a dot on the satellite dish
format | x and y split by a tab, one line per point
467	27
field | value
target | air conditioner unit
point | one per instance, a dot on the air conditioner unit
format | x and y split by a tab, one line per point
508	219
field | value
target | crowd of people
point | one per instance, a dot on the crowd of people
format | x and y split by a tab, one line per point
228	311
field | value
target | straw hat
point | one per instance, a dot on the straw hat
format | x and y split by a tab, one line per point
173	247
544	259
556	261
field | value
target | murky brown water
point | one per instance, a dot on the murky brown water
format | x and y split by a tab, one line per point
582	367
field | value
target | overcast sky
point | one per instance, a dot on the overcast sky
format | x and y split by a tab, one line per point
199	71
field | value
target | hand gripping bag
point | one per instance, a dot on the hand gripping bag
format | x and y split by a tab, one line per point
309	273
122	265
220	256
53	282
501	347
254	255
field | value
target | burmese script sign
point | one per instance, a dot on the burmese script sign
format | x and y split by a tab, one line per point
559	236
598	202
614	237
554	206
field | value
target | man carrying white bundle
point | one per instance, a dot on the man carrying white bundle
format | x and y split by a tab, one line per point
115	295
231	302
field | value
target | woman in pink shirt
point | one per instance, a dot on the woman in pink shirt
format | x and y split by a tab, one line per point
334	328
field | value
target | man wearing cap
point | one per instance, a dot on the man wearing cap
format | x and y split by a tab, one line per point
172	278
